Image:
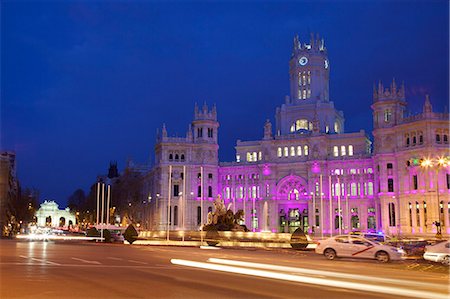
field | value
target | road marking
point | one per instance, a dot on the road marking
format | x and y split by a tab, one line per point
138	262
39	260
115	258
312	280
86	261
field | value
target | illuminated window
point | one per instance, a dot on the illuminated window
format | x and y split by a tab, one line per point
292	151
343	152
249	157
309	93
238	158
253	191
335	151
309	77
369	170
350	150
337	190
353	171
299	150
387	115
327	129
255	157
304	93
300	124
227	193
337	127
259	156
279	152
305	150
293	195
286	151
240	192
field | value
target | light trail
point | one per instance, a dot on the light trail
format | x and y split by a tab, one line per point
321	272
42	237
312	280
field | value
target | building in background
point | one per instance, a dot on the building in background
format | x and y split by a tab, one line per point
9	190
311	173
49	215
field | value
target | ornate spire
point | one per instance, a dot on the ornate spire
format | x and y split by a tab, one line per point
164	131
393	87
427	108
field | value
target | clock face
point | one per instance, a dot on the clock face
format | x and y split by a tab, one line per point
327	64
303	60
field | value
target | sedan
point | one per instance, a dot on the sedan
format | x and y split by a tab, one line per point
439	253
358	247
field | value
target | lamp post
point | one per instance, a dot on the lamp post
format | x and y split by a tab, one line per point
436	164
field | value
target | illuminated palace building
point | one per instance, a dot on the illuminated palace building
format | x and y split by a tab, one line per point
308	172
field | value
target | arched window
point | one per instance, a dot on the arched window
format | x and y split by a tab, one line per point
337	223
370	188
210	191
417	214
350	150
177	157
305	150
301	124
299	150
199	215
353	189
445	138
279	152
170	157
355	222
371	223
425	213
391	214
182	157
335	151
337	127
175	215
199	191
410	215
294	194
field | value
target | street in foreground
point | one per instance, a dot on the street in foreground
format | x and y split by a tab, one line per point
96	270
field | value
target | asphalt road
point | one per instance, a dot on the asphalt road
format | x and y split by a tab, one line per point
96	270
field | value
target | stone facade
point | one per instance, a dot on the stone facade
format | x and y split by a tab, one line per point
50	215
308	172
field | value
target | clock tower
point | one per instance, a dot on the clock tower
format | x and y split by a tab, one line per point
308	109
309	71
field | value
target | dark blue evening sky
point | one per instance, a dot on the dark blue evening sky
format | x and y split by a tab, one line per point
87	82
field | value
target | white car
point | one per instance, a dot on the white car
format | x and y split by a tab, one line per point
439	253
354	246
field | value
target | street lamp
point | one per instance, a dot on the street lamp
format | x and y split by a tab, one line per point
436	164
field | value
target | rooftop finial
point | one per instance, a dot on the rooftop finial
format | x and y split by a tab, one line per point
427	105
